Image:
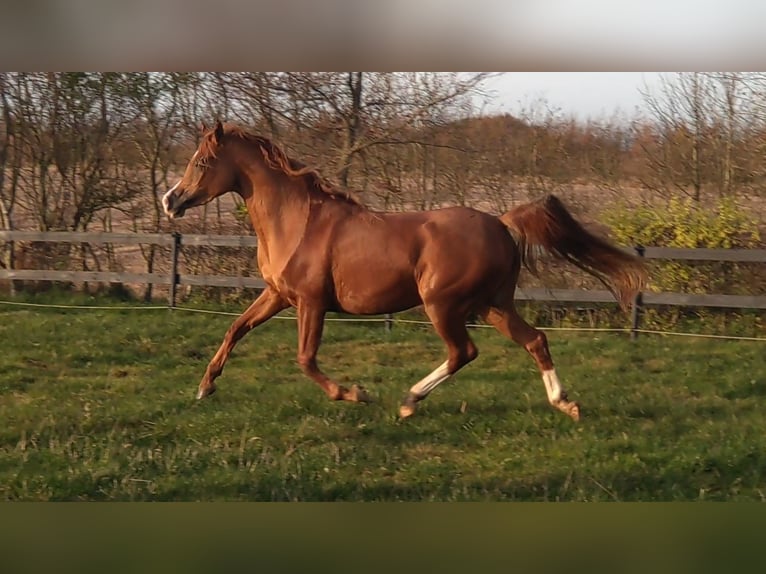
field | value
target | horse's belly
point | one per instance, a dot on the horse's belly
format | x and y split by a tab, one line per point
372	293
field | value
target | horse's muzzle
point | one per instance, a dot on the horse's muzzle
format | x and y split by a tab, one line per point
172	204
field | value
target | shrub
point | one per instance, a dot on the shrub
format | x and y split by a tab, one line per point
688	224
684	223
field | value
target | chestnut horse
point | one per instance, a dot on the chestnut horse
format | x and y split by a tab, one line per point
319	250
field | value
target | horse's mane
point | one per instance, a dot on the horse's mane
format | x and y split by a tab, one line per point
278	160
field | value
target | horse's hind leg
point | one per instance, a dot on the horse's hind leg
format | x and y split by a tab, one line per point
310	325
450	326
268	304
510	324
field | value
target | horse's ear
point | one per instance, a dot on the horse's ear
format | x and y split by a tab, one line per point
218	131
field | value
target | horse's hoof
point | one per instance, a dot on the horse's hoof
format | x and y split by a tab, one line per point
205	391
570	408
358	395
574	411
409	406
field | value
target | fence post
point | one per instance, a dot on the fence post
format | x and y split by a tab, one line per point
12	266
174	251
637	302
389	322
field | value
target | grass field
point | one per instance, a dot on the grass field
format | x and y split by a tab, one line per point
99	405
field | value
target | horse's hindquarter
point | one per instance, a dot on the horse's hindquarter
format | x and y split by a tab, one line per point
467	256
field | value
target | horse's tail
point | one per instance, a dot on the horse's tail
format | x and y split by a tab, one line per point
547	224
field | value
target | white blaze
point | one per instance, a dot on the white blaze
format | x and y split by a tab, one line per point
166	198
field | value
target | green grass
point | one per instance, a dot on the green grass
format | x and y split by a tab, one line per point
99	405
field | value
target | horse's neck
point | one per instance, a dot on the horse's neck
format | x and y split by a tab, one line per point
279	212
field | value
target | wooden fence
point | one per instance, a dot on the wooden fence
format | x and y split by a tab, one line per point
175	241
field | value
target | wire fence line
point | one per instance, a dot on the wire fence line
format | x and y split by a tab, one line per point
394	319
85	307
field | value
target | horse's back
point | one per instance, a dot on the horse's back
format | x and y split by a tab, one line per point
449	221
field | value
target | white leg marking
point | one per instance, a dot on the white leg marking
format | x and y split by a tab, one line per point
552	386
430	382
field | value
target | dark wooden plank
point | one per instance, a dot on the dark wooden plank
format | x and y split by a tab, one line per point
684	299
92	276
544	295
222	281
564	295
219	240
704	300
88	237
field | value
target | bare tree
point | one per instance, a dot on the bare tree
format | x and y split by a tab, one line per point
339	120
10	168
677	113
155	100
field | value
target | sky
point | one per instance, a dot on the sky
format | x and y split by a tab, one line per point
657	27
594	95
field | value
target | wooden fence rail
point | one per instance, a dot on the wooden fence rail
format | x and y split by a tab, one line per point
176	240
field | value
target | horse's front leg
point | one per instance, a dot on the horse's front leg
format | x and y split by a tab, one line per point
310	326
268	304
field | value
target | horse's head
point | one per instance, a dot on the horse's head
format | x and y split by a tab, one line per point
209	173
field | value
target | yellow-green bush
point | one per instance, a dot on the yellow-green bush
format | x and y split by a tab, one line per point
684	223
687	224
